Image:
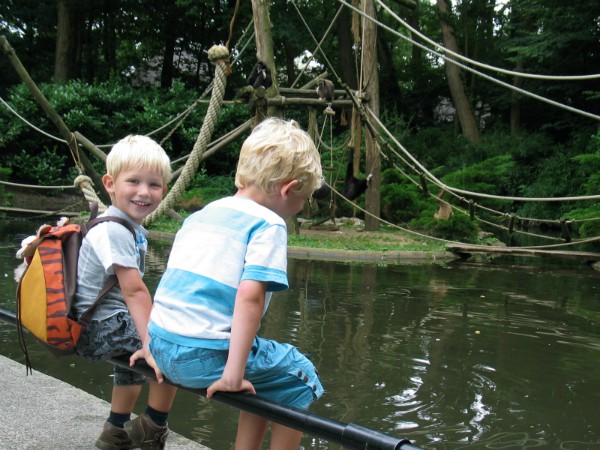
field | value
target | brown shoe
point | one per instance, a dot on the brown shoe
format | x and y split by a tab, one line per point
114	438
145	434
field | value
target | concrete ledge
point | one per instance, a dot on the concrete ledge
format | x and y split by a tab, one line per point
40	412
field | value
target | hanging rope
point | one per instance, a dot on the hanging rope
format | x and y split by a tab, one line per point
218	55
482	65
476	72
237	6
84	183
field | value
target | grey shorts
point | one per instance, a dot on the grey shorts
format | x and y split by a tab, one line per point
105	339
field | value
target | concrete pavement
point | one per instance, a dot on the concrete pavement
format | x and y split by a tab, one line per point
39	412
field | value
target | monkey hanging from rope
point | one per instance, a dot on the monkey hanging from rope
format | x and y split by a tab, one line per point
260	76
354	187
325	91
445	210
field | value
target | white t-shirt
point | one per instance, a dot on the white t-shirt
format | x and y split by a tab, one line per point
229	240
105	245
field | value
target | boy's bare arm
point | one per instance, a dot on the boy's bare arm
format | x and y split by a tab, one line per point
247	313
137	297
139	303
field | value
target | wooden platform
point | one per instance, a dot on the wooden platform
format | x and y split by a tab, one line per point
465	250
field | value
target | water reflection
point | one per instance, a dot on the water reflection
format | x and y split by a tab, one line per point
489	356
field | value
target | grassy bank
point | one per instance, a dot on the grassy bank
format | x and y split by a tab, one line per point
347	235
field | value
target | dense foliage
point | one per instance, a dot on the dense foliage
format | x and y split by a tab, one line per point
132	66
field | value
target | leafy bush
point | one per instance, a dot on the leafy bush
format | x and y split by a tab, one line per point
457	228
206	189
401	201
491	176
45	168
586	228
104	113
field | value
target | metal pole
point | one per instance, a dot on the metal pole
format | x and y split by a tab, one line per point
351	436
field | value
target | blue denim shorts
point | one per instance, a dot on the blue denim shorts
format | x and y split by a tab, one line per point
278	372
105	339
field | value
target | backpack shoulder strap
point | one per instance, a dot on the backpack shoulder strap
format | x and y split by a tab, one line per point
112	280
95	220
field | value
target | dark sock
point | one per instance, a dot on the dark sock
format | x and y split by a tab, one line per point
118	419
159	418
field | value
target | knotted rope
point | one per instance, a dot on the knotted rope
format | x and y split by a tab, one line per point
218	55
84	183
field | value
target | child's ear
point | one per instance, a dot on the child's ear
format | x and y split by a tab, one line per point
287	186
108	182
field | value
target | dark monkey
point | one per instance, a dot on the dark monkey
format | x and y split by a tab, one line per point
354	187
260	76
325	90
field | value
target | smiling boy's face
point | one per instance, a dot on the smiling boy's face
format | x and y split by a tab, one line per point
136	191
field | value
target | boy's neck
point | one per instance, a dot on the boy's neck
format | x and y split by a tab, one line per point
253	193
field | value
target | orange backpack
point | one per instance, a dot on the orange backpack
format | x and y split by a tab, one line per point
46	289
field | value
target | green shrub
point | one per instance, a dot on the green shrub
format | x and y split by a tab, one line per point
586	228
457	228
205	189
104	113
46	168
401	202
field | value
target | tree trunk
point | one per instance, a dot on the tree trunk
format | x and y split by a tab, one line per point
462	104
370	80
416	60
169	33
290	67
346	50
65	67
166	73
110	37
264	47
515	99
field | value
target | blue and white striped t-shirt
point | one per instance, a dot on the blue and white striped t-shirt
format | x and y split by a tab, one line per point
229	240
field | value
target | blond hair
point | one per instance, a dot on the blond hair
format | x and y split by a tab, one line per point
138	151
278	151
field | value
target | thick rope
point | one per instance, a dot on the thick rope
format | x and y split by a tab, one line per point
84	183
219	55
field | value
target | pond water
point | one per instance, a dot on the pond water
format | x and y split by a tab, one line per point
504	354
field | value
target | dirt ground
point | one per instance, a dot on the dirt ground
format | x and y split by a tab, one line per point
352	230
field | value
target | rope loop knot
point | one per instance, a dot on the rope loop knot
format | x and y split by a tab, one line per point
218	52
79	180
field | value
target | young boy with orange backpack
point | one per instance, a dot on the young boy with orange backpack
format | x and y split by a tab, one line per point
138	171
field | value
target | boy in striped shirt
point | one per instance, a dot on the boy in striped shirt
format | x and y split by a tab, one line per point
226	261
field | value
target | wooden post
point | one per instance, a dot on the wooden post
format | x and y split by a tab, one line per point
264	53
356	133
54	117
370	84
264	49
565	229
